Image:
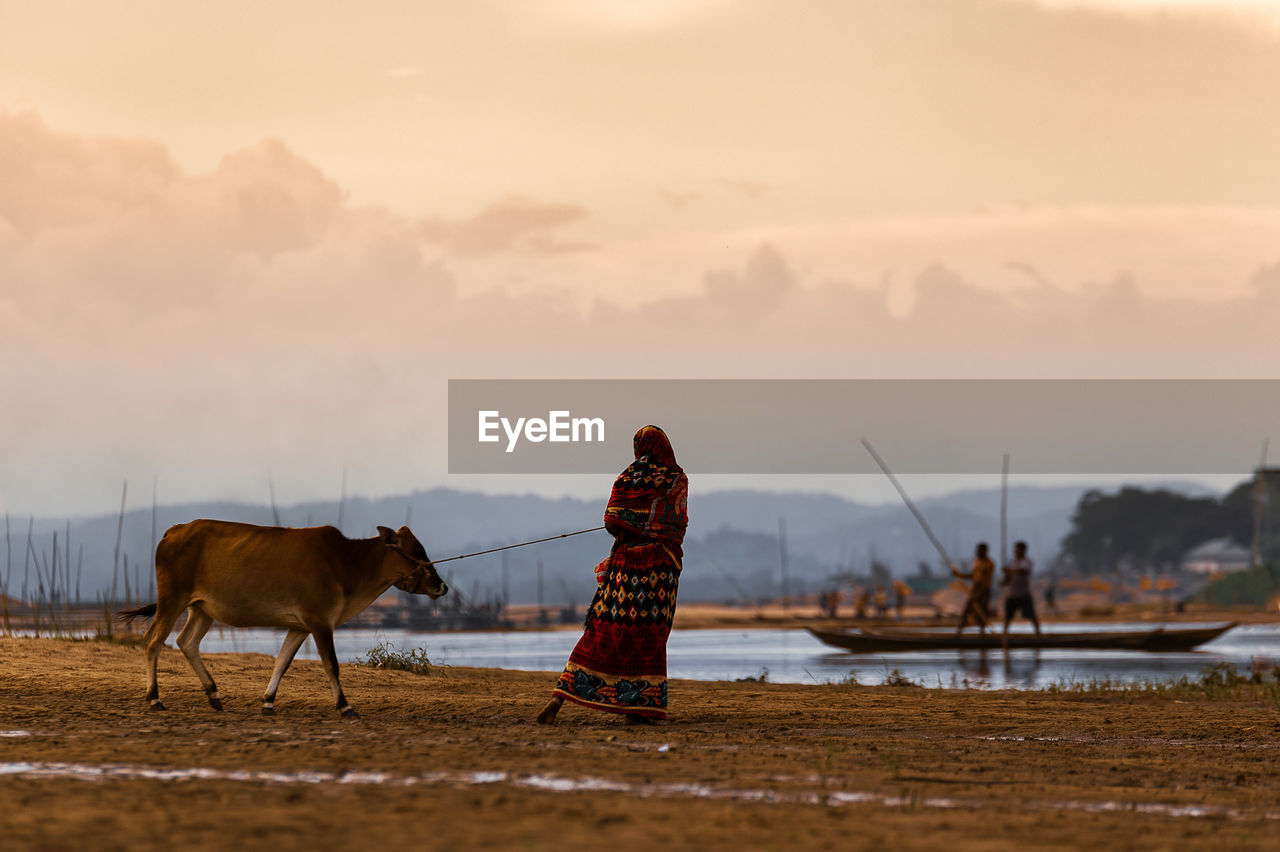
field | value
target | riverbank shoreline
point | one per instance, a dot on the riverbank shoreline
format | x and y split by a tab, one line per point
712	616
701	616
453	758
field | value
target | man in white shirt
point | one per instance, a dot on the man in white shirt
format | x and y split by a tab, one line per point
1017	583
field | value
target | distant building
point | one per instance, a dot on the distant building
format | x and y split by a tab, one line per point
1266	482
1217	556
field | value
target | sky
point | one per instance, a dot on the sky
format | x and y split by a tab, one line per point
261	237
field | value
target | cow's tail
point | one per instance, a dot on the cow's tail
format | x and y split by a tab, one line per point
128	615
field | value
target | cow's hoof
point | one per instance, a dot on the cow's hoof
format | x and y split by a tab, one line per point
268	710
350	713
216	704
156	705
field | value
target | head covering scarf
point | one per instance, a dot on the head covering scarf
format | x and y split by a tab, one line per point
650	498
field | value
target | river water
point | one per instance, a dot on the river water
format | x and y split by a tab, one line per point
795	656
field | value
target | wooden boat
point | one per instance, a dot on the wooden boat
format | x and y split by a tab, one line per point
1184	639
1155	639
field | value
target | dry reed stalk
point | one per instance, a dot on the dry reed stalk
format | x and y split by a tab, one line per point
271	489
26	557
342	496
66	567
115	561
49	603
54	597
38	598
105	629
155	542
8	572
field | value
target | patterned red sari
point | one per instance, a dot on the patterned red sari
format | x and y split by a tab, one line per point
620	663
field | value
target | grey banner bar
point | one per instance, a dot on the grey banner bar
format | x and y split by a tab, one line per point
927	426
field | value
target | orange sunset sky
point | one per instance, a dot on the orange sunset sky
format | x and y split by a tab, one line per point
249	236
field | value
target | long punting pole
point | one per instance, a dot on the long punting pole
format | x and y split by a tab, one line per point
782	561
1259	494
1004	512
924	525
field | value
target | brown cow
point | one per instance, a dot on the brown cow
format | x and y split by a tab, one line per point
306	580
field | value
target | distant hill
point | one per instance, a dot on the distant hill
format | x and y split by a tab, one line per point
731	553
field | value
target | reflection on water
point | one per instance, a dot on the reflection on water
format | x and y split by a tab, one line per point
795	656
1017	669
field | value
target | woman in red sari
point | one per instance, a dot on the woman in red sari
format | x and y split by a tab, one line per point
620	663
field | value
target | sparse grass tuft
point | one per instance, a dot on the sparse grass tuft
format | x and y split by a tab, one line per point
825	765
385	655
1261	681
892	760
897	678
1217	681
1272	691
127	639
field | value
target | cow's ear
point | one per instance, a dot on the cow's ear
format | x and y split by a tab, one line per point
387	535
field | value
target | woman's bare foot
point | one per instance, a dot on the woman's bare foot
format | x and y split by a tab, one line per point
548	714
637	719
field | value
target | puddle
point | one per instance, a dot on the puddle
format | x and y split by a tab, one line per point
588	784
1151	741
573	785
15	733
1012	739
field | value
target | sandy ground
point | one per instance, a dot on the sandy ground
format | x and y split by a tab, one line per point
452	760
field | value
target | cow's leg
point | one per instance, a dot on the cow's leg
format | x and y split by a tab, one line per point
198	624
167	614
292	642
329	659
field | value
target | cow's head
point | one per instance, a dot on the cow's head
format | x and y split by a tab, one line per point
420	577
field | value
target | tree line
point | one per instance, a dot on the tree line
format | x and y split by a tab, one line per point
1140	530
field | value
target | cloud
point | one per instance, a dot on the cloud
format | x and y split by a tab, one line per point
204	326
760	285
614	18
272	200
1239	12
406	72
514	224
1266	282
745	188
678	199
50	180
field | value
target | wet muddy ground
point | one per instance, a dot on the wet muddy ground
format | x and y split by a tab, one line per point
453	759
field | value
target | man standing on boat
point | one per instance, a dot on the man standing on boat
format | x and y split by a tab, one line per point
1017	580
980	592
